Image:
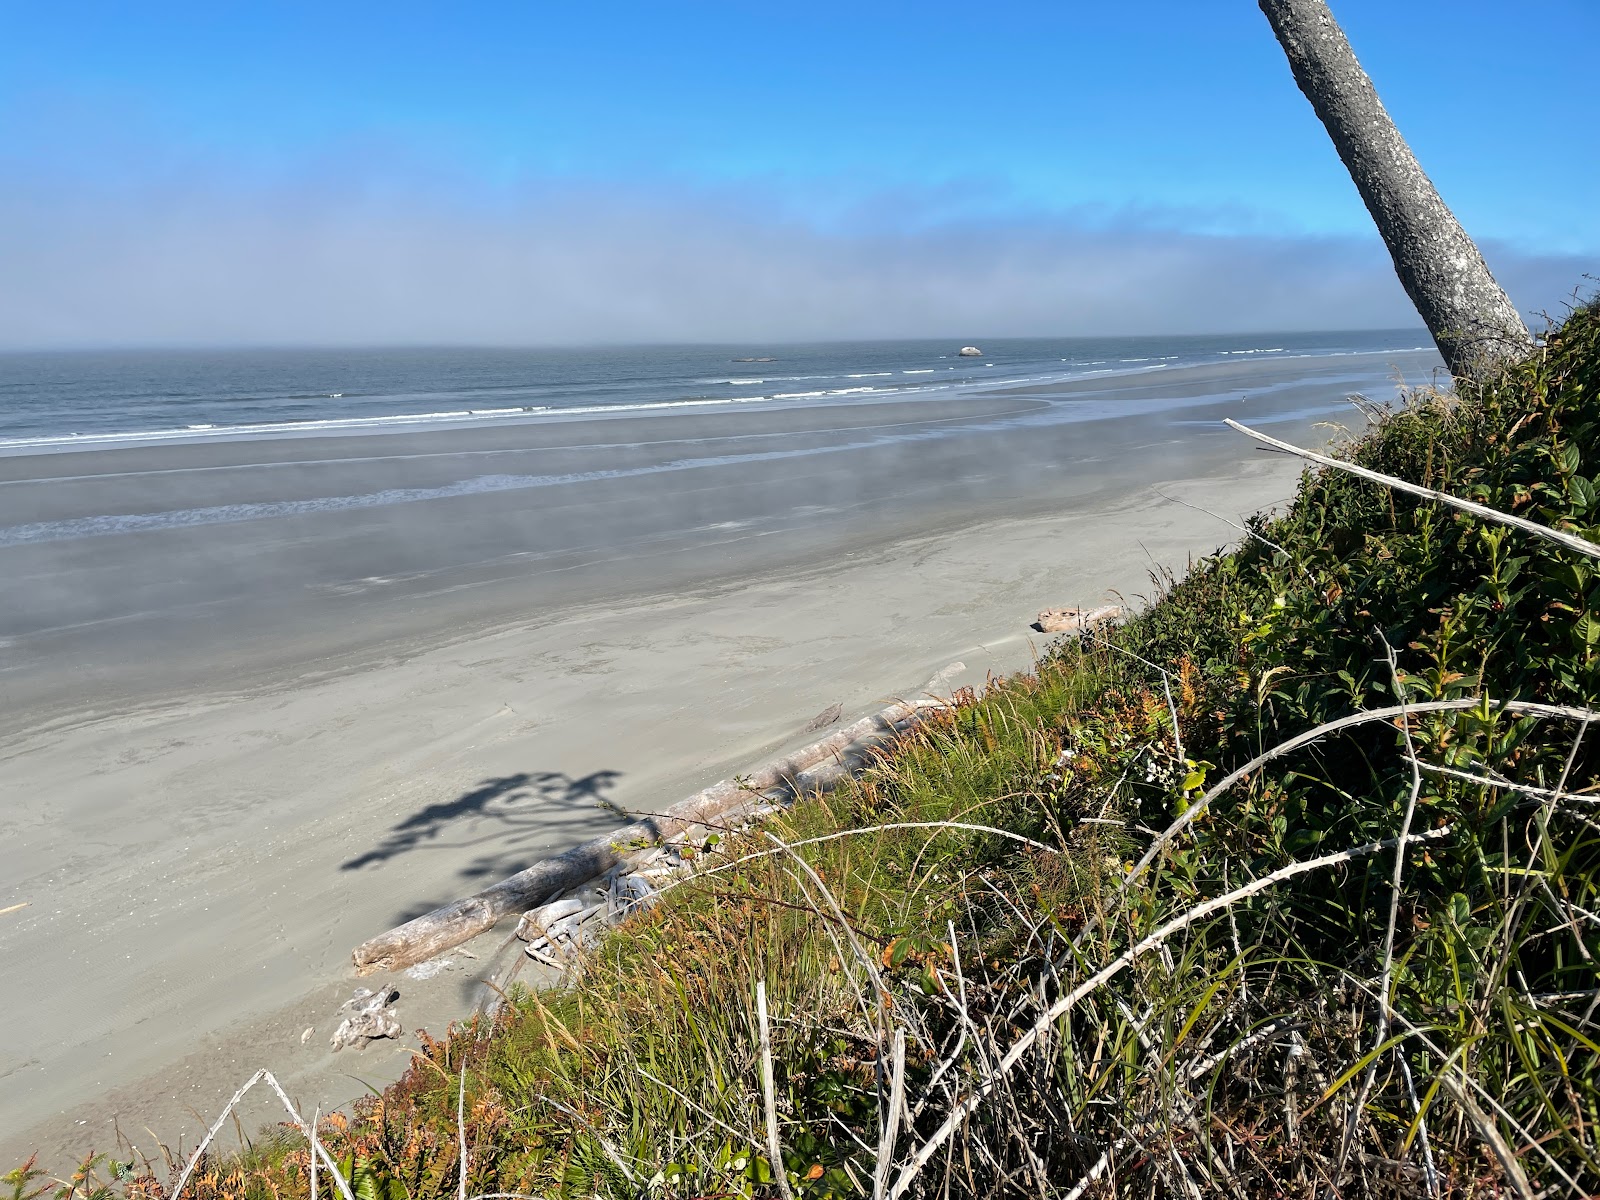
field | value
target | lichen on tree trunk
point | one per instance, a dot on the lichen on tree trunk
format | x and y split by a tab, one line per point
1476	326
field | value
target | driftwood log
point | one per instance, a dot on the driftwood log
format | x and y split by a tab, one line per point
1076	620
818	765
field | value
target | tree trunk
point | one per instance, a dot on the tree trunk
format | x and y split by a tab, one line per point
1476	326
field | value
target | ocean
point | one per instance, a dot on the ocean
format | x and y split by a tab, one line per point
51	401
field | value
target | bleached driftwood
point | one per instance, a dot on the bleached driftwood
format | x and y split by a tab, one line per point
444	928
627	892
1076	620
371	1017
535	923
561	932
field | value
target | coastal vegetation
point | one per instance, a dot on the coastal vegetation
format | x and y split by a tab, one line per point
1287	887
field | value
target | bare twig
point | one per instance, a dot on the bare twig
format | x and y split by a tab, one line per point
1239	525
317	1149
1525	707
1479	510
1510	785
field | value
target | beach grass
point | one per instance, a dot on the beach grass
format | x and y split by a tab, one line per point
1172	914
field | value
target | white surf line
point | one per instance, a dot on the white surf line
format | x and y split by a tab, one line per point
355	460
200	434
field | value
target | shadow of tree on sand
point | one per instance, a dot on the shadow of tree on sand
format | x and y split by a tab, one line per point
510	811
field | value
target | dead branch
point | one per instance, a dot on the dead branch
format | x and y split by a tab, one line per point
1479	510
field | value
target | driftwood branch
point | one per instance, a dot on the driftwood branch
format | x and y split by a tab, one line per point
814	766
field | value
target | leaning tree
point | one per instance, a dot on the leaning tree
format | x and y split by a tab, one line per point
1476	326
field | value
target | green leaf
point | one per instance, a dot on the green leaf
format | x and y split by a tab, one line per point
1587	629
1583	491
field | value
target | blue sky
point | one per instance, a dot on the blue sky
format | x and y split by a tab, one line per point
182	126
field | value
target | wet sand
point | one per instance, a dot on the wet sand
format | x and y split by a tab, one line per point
234	745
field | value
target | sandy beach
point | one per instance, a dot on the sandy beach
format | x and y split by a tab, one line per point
249	721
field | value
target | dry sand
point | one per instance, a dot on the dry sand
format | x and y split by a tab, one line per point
199	865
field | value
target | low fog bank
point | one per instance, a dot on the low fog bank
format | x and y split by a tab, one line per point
352	262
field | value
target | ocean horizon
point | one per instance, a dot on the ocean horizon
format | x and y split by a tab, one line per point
53	400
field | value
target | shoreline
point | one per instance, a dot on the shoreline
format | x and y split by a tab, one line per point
909	384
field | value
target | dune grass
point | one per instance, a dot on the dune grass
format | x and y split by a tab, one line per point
1049	945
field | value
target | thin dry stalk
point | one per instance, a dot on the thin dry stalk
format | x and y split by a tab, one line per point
769	1093
1097	1170
461	1131
1454	1076
882	992
1480	510
1526	707
786	847
610	1150
960	1002
1381	1032
1491	1137
738	1135
1430	1171
1166	684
